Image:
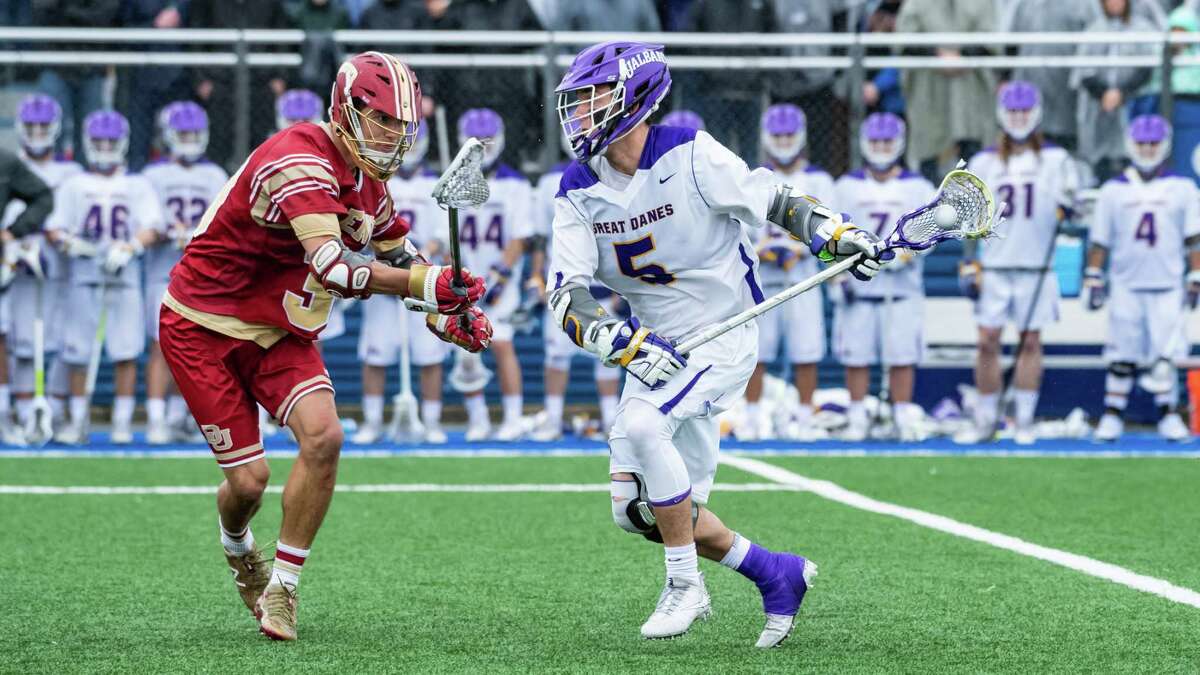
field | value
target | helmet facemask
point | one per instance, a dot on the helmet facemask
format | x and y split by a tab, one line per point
105	154
588	115
376	141
38	138
187	146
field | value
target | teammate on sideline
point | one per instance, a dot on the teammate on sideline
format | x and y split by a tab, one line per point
882	320
253	291
684	119
104	219
492	238
186	184
39	120
656	214
379	341
782	261
1145	219
1036	182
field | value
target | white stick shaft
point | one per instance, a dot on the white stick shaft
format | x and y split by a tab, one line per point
405	354
717	330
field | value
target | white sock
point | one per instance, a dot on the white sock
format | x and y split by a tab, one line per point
477	412
856	415
156	410
372	406
58	408
431	414
737	553
289	560
752	411
986	407
236	543
804	414
512	408
122	411
1026	402
554	410
681	563
24	409
79	410
177	409
5	396
608	410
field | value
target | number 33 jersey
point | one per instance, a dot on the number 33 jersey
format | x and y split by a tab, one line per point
668	238
243	274
1143	224
185	191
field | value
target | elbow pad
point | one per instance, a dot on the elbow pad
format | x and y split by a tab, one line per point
799	215
342	274
578	313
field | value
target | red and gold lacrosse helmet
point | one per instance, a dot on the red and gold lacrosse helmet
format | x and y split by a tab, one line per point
376	109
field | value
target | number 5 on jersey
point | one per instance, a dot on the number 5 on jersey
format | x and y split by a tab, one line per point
628	252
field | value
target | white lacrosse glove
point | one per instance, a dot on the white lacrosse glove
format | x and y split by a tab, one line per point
120	253
837	239
648	357
77	247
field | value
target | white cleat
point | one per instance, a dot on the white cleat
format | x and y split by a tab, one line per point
1025	435
121	434
479	432
678	607
974	434
1110	428
434	436
158	434
368	434
12	434
854	433
547	432
72	434
1172	428
748	431
511	431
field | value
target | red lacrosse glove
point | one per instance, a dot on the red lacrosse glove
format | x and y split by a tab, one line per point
472	331
432	285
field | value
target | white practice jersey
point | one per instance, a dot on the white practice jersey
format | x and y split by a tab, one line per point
543	201
1029	188
53	173
484	232
814	182
185	191
103	209
413	199
670	238
876	206
1143	225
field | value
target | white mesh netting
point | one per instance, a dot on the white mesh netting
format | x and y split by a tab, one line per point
463	184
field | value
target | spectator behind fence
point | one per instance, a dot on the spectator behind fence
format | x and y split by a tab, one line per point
151	87
730	101
812	88
953	108
320	54
214	85
1058	99
355	10
881	92
613	15
1104	91
79	89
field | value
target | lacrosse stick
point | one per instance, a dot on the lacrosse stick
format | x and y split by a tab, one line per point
462	185
974	211
39	427
406	423
93	369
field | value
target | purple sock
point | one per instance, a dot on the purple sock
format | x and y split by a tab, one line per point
759	564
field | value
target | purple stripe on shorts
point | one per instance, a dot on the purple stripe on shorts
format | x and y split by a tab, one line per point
667	407
671	501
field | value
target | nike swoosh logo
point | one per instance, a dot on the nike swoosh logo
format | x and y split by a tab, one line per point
663	180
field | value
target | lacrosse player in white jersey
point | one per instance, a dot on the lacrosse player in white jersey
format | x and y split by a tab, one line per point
379	340
39	120
492	240
186	184
104	219
880	322
1146	221
1036	183
656	214
782	261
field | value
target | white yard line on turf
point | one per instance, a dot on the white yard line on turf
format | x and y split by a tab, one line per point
381	487
1079	563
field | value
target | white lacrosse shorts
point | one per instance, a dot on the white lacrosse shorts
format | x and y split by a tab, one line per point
799	323
154	297
124	334
1141	323
713	379
1006	295
19	303
867	332
380	340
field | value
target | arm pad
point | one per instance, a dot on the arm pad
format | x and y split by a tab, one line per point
342	273
577	313
799	215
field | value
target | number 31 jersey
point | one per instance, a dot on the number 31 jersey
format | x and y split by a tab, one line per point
1143	224
185	191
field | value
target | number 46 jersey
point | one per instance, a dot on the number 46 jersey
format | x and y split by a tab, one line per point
185	191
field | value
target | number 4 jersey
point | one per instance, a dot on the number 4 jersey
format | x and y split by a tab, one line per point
243	274
185	191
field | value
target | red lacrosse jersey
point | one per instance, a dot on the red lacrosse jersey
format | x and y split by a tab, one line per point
243	274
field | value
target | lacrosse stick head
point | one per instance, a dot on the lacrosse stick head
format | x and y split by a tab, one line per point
974	214
462	184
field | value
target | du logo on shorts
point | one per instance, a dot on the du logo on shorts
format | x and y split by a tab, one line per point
218	438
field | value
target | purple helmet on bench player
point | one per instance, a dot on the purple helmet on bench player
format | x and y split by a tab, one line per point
784	133
39	121
1019	109
609	89
1148	142
185	130
296	106
486	125
685	119
105	139
881	140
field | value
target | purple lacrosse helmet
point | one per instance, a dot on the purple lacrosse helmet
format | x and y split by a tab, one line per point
638	76
1019	109
881	140
784	133
105	139
39	121
486	125
685	119
296	106
1148	142
184	130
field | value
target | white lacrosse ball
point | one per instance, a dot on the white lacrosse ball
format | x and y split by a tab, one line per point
945	216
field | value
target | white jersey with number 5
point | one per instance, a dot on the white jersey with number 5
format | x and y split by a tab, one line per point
1143	224
670	238
1029	188
876	206
185	191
